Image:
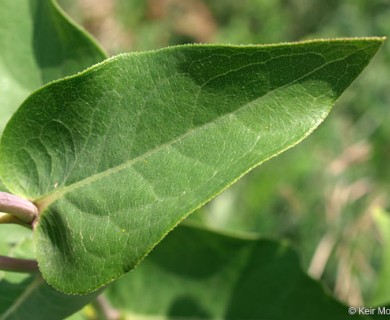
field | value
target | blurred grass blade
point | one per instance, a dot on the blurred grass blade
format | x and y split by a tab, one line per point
381	294
118	155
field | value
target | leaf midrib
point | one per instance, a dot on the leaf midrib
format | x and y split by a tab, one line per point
45	201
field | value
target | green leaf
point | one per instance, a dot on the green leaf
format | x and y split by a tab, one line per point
118	155
199	274
25	296
38	44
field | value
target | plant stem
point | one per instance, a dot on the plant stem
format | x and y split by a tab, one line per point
104	308
11	219
18	265
19	207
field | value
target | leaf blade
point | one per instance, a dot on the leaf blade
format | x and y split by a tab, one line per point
23	297
127	149
40	45
203	274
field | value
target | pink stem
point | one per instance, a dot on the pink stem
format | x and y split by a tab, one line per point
19	207
18	265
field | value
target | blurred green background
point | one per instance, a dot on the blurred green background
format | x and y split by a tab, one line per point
322	194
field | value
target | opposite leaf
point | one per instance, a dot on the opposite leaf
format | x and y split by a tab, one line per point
116	156
199	274
38	44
